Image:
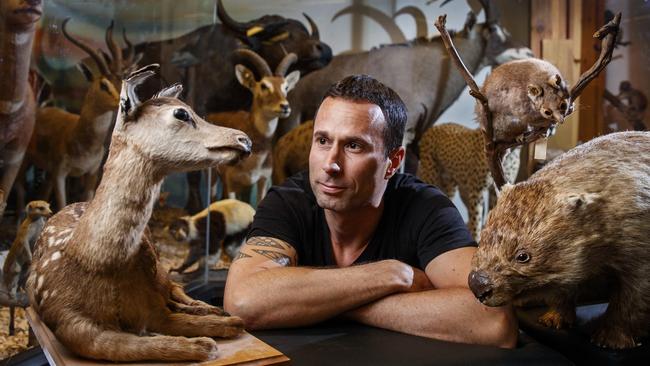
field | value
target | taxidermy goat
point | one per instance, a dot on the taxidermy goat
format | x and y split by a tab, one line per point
584	216
128	308
524	95
230	221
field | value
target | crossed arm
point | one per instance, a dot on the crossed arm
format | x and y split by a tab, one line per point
268	290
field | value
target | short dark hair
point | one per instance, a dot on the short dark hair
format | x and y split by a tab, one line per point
364	88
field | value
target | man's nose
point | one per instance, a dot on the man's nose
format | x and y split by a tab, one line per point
331	165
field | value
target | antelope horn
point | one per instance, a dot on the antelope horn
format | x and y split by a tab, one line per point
130	51
396	34
228	21
259	63
315	34
284	65
491	15
116	51
101	63
421	26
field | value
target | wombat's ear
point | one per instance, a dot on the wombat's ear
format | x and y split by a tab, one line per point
534	91
505	188
577	201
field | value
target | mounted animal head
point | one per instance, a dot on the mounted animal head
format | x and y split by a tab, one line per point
273	37
551	98
20	14
37	209
166	132
270	92
115	66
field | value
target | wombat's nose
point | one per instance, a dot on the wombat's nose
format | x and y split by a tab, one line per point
480	285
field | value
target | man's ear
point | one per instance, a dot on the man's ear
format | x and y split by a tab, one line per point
395	159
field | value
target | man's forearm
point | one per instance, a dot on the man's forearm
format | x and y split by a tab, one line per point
451	314
295	296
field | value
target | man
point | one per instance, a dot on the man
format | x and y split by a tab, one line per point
354	238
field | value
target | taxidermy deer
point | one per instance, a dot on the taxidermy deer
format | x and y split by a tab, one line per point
129	309
269	104
17	26
17	263
65	144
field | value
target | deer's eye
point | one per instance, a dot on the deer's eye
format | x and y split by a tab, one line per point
183	115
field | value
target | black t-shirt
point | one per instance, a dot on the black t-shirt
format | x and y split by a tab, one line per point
418	223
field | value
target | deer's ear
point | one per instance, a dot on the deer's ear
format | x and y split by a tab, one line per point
292	79
88	75
245	76
129	100
173	91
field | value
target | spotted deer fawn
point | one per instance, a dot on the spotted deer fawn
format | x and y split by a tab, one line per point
95	279
269	104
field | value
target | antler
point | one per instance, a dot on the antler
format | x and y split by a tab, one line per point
396	34
259	63
99	60
495	150
607	34
315	34
284	65
421	25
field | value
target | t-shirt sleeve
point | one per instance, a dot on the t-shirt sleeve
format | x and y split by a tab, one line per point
442	230
275	217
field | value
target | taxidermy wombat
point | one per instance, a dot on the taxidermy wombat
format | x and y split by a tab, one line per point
584	216
524	95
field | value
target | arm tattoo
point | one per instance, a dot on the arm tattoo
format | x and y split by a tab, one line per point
279	258
266	242
241	256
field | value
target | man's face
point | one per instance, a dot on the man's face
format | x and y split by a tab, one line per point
347	164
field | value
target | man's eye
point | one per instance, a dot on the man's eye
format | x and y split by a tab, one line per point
354	146
322	140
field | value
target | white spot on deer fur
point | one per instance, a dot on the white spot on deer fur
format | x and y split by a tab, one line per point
50	241
46	294
53	293
39	282
56	255
47	261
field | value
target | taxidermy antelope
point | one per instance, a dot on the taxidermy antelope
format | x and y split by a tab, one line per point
17	263
129	309
17	26
69	145
269	104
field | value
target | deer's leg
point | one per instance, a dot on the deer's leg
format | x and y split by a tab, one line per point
12	162
86	338
182	300
90	183
59	190
188	325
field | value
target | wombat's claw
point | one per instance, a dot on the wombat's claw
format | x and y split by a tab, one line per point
614	339
553	319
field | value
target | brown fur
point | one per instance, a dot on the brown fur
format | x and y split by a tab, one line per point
95	279
291	152
585	215
524	95
17	25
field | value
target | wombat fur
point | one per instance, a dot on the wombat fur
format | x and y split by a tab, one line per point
524	95
585	215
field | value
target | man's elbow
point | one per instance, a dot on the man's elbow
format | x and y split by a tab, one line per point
503	329
240	304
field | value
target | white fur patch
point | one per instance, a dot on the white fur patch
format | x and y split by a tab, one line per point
39	282
56	255
45	263
46	294
50	241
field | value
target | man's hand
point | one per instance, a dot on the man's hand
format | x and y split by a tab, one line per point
420	281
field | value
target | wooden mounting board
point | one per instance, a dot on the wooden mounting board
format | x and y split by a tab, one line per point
245	350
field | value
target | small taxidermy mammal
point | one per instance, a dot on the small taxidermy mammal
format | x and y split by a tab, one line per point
230	220
524	95
18	260
584	216
20	254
